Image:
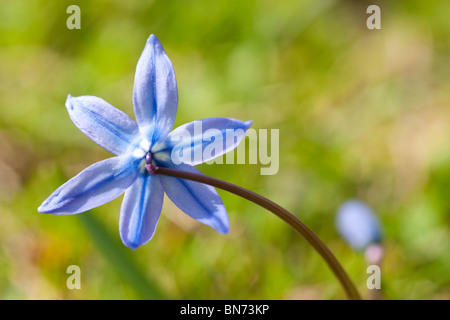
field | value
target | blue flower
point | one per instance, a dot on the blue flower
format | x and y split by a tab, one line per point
137	147
358	224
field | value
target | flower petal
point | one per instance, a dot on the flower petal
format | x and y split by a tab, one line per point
107	126
140	210
155	95
96	185
203	140
198	200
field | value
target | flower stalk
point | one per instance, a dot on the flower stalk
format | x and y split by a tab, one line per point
348	286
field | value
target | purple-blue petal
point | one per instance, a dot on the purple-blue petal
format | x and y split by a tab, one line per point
198	200
357	224
203	140
104	124
96	185
155	95
141	208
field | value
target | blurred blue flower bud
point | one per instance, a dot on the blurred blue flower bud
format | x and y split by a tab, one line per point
358	225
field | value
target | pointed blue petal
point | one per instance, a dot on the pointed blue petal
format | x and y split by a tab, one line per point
141	208
198	200
96	185
203	140
105	125
155	95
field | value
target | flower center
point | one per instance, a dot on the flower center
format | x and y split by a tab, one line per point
141	148
148	163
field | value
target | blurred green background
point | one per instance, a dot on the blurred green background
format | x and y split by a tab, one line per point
361	114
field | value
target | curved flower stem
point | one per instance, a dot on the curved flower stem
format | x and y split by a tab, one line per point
289	218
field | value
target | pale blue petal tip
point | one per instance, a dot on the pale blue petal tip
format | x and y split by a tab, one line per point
153	40
220	223
131	245
41	209
223	229
68	102
135	243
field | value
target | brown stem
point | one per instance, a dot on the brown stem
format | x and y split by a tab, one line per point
289	218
